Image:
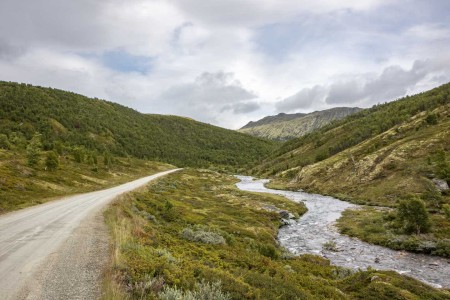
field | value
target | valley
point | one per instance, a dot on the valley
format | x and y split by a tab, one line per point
224	150
194	231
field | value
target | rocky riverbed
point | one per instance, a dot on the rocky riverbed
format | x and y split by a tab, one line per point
315	233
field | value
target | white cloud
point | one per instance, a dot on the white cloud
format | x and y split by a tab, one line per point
332	53
212	98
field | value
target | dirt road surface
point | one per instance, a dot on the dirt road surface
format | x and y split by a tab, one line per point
57	250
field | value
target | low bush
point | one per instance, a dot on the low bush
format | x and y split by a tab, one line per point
221	235
202	236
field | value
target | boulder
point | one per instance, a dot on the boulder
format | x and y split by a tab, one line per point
284	214
440	184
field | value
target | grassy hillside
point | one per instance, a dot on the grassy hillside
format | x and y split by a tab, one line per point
194	232
378	157
65	119
22	186
285	127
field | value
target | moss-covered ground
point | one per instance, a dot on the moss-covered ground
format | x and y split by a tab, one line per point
195	226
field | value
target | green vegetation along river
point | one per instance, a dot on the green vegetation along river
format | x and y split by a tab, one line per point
314	233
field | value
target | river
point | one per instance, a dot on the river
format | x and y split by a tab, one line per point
316	227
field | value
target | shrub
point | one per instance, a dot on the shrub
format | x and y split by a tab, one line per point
146	286
203	291
431	119
33	150
202	236
446	208
268	250
4	142
413	216
330	246
52	161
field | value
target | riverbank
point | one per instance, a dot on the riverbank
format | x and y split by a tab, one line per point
194	231
311	233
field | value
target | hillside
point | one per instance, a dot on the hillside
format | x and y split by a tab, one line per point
69	120
379	157
389	143
287	126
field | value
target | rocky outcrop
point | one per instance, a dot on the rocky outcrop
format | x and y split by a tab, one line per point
440	184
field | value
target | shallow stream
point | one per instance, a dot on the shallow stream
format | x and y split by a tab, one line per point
316	227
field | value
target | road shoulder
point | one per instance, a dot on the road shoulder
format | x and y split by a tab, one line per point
75	270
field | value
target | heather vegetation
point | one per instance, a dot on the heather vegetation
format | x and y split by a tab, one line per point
194	235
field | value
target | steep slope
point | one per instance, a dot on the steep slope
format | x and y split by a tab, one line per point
71	120
373	155
287	126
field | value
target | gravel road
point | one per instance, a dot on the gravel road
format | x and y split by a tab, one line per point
57	250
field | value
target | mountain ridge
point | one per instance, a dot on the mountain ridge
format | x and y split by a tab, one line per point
283	126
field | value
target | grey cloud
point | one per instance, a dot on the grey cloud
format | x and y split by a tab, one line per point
392	83
217	87
305	98
209	95
242	108
395	81
344	92
57	22
9	51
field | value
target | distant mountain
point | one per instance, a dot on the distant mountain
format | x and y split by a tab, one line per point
69	120
281	117
287	126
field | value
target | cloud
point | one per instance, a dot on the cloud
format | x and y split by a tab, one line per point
392	83
364	90
288	55
8	51
304	99
242	108
209	96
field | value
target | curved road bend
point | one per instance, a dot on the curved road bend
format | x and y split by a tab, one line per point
30	237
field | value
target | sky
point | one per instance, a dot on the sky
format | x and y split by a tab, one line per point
228	62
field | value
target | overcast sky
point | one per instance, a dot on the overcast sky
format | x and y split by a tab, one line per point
228	62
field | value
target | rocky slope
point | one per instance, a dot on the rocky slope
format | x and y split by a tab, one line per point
287	126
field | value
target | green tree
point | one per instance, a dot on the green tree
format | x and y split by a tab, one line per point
18	140
442	165
413	216
33	150
4	142
79	154
52	161
431	119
